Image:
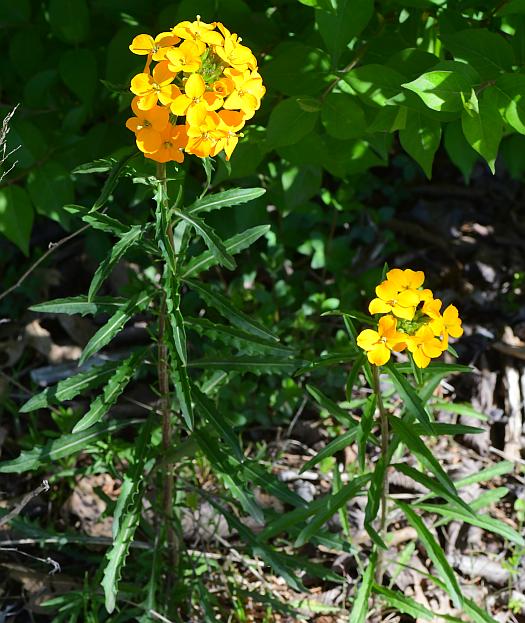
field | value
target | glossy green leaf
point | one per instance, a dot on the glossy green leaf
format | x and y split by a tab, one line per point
483	129
487	52
458	149
375	84
340	26
103	222
420	138
257	365
16	216
511	88
289	123
50	188
446	86
342	116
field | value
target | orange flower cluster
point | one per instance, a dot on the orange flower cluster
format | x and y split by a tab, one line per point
412	319
202	89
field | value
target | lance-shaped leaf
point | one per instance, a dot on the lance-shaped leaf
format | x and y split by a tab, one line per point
232	336
336	445
126	519
233	245
107	332
225	199
116	385
70	387
256	365
110	183
332	504
212	240
365	428
435	553
412	401
333	408
174	315
475	519
226	309
130	238
434	486
64	446
414	443
360	605
215	418
180	380
374	499
105	223
80	305
404	604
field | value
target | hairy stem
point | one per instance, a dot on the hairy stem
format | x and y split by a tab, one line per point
383	417
164	389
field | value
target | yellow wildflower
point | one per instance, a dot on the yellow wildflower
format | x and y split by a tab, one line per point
198	31
248	91
195	92
148	125
173	142
233	52
204	132
146	44
151	89
186	57
424	346
391	300
379	344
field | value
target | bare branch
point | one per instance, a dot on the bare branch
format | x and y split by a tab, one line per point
18	508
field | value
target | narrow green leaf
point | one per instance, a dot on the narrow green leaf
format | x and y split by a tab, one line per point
181	381
374	500
459	408
130	238
337	485
71	387
103	222
365	428
172	286
435	553
441	428
212	240
476	613
66	445
353	375
481	521
333	503
414	443
107	332
233	245
333	408
127	517
410	398
226	309
80	305
110	183
434	486
217	421
360	606
225	199
489	473
337	444
404	604
255	365
232	336
115	386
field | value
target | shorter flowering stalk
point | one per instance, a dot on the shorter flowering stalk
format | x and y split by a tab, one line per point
411	319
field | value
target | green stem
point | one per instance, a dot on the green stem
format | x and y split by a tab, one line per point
164	387
383	417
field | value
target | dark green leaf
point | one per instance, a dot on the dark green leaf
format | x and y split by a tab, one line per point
256	365
107	332
70	387
80	305
404	604
411	400
435	554
16	216
360	606
226	199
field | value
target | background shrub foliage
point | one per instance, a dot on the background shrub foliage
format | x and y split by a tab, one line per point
351	84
